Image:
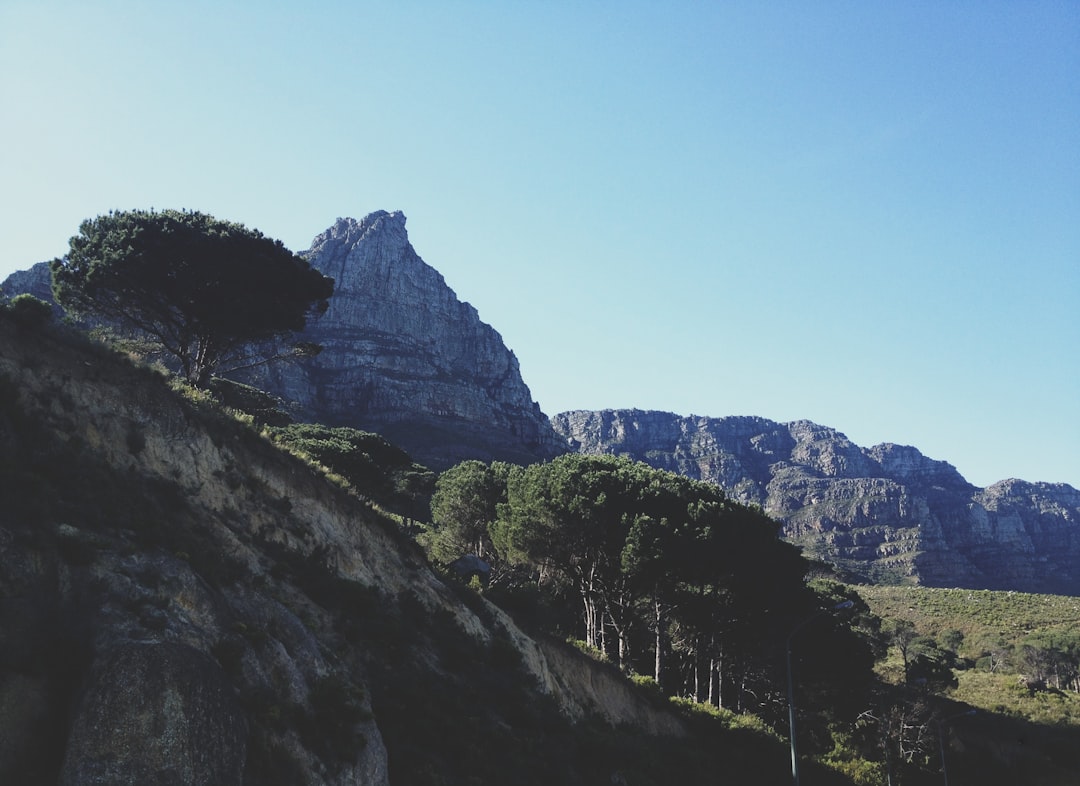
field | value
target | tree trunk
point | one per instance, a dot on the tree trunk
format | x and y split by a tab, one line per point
712	670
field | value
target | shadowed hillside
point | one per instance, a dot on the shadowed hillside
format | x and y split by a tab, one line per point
182	602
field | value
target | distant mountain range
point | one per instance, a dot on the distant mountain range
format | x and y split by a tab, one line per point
885	514
405	358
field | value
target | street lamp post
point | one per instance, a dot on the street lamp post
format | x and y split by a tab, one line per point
847	604
941	740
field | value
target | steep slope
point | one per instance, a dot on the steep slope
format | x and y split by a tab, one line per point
403	357
885	513
180	602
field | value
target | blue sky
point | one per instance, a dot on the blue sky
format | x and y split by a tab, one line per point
865	214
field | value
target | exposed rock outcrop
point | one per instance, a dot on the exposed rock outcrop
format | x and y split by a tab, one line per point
156	713
36	281
885	513
403	357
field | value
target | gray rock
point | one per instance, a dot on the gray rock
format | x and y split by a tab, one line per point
403	357
156	714
36	281
885	513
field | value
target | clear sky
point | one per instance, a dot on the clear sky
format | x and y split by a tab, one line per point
865	214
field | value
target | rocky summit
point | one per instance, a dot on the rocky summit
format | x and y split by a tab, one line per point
403	357
882	514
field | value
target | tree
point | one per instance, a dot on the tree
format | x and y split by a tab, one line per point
903	635
463	508
204	290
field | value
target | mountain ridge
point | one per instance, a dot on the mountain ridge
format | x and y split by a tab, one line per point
884	513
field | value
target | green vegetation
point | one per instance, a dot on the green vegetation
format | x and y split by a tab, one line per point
204	290
659	575
29	311
1018	634
638	567
368	463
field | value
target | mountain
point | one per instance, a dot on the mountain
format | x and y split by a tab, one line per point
183	602
403	357
882	514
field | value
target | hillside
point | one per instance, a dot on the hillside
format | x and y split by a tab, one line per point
884	514
182	602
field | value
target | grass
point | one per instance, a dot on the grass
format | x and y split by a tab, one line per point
977	614
974	621
1004	695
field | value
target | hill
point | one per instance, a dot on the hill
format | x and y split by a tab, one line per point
183	602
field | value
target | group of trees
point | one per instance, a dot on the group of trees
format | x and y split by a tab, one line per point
1042	659
668	577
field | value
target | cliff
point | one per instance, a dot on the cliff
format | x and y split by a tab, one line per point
181	602
885	513
403	357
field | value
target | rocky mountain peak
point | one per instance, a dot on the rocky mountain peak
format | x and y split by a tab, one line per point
379	239
404	357
904	462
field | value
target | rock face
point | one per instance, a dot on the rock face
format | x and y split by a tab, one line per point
169	713
885	513
36	281
403	357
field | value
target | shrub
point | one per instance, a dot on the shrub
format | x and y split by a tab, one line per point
30	311
649	686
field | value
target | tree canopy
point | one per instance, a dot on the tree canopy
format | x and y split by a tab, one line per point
203	289
663	574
